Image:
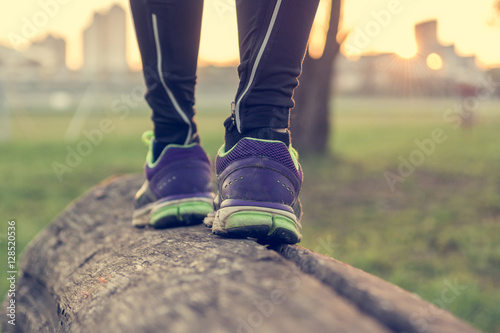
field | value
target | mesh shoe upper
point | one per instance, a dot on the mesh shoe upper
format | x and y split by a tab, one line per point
259	172
179	172
247	148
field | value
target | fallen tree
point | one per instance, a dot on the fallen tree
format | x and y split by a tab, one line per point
91	271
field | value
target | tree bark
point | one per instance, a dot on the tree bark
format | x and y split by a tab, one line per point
91	271
310	120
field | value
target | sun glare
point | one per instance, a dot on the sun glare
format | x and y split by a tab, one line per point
407	53
405	47
319	30
219	43
434	61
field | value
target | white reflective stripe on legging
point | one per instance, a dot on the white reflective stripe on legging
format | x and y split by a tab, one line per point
256	64
162	79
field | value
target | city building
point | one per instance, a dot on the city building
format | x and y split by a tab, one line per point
443	59
50	53
104	43
437	69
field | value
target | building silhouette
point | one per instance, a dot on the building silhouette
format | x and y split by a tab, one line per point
426	37
45	58
436	70
50	53
455	68
104	43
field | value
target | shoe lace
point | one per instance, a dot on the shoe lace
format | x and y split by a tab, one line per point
147	137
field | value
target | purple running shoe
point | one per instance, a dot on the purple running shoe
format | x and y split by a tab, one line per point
178	187
258	184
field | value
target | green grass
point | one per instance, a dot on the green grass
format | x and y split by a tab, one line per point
439	226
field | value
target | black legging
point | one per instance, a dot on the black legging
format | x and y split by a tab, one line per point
272	39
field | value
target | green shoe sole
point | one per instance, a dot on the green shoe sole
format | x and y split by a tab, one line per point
181	214
267	227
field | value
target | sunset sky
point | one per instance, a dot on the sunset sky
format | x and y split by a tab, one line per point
470	25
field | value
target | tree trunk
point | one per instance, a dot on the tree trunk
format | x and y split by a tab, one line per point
91	271
310	123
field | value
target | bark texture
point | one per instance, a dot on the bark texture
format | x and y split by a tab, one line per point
91	271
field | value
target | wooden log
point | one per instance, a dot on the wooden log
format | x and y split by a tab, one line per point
91	271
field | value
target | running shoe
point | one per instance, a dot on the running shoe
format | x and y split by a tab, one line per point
258	183
178	187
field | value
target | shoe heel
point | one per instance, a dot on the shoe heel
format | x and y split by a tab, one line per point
265	224
181	213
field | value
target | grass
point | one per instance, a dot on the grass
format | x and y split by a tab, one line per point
438	228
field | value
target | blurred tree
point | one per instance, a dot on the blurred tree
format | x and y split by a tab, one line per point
495	20
310	123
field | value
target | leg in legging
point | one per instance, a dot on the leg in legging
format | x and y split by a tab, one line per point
178	186
273	37
168	33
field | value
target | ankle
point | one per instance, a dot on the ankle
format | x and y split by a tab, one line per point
232	135
158	148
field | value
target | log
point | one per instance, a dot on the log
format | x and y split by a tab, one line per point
91	271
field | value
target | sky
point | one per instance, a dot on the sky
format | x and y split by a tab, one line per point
373	26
